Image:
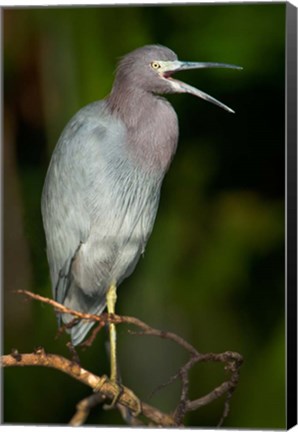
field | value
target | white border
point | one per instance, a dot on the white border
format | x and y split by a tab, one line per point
57	3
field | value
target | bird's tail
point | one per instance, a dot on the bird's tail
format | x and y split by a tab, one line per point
79	331
78	301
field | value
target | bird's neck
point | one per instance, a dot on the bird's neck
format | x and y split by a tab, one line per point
151	123
128	103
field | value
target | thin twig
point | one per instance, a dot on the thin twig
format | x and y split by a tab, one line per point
116	319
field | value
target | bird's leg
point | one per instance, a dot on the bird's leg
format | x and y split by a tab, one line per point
111	298
111	301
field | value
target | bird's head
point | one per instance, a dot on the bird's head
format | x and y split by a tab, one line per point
151	67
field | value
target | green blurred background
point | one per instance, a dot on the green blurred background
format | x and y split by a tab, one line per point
213	270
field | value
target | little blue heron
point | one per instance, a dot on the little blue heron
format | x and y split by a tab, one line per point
102	187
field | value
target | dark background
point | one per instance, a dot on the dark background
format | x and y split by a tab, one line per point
213	270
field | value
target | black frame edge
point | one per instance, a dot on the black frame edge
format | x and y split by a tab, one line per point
291	212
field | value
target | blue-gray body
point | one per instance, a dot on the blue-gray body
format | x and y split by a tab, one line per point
100	200
102	188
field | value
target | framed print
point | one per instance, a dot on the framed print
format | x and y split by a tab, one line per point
150	157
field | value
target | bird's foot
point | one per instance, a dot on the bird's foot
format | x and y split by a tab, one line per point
100	383
118	393
137	403
120	389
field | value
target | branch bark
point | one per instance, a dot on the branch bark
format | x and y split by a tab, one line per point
127	401
108	389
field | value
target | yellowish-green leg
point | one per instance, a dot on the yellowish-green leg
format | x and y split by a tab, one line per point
111	301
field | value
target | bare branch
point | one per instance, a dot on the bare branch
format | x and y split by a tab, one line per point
116	319
107	390
127	401
232	363
84	407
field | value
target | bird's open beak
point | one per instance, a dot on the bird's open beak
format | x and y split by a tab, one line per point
167	68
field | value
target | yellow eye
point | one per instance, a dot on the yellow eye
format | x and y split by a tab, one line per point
155	65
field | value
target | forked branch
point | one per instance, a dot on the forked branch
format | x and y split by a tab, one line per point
127	400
